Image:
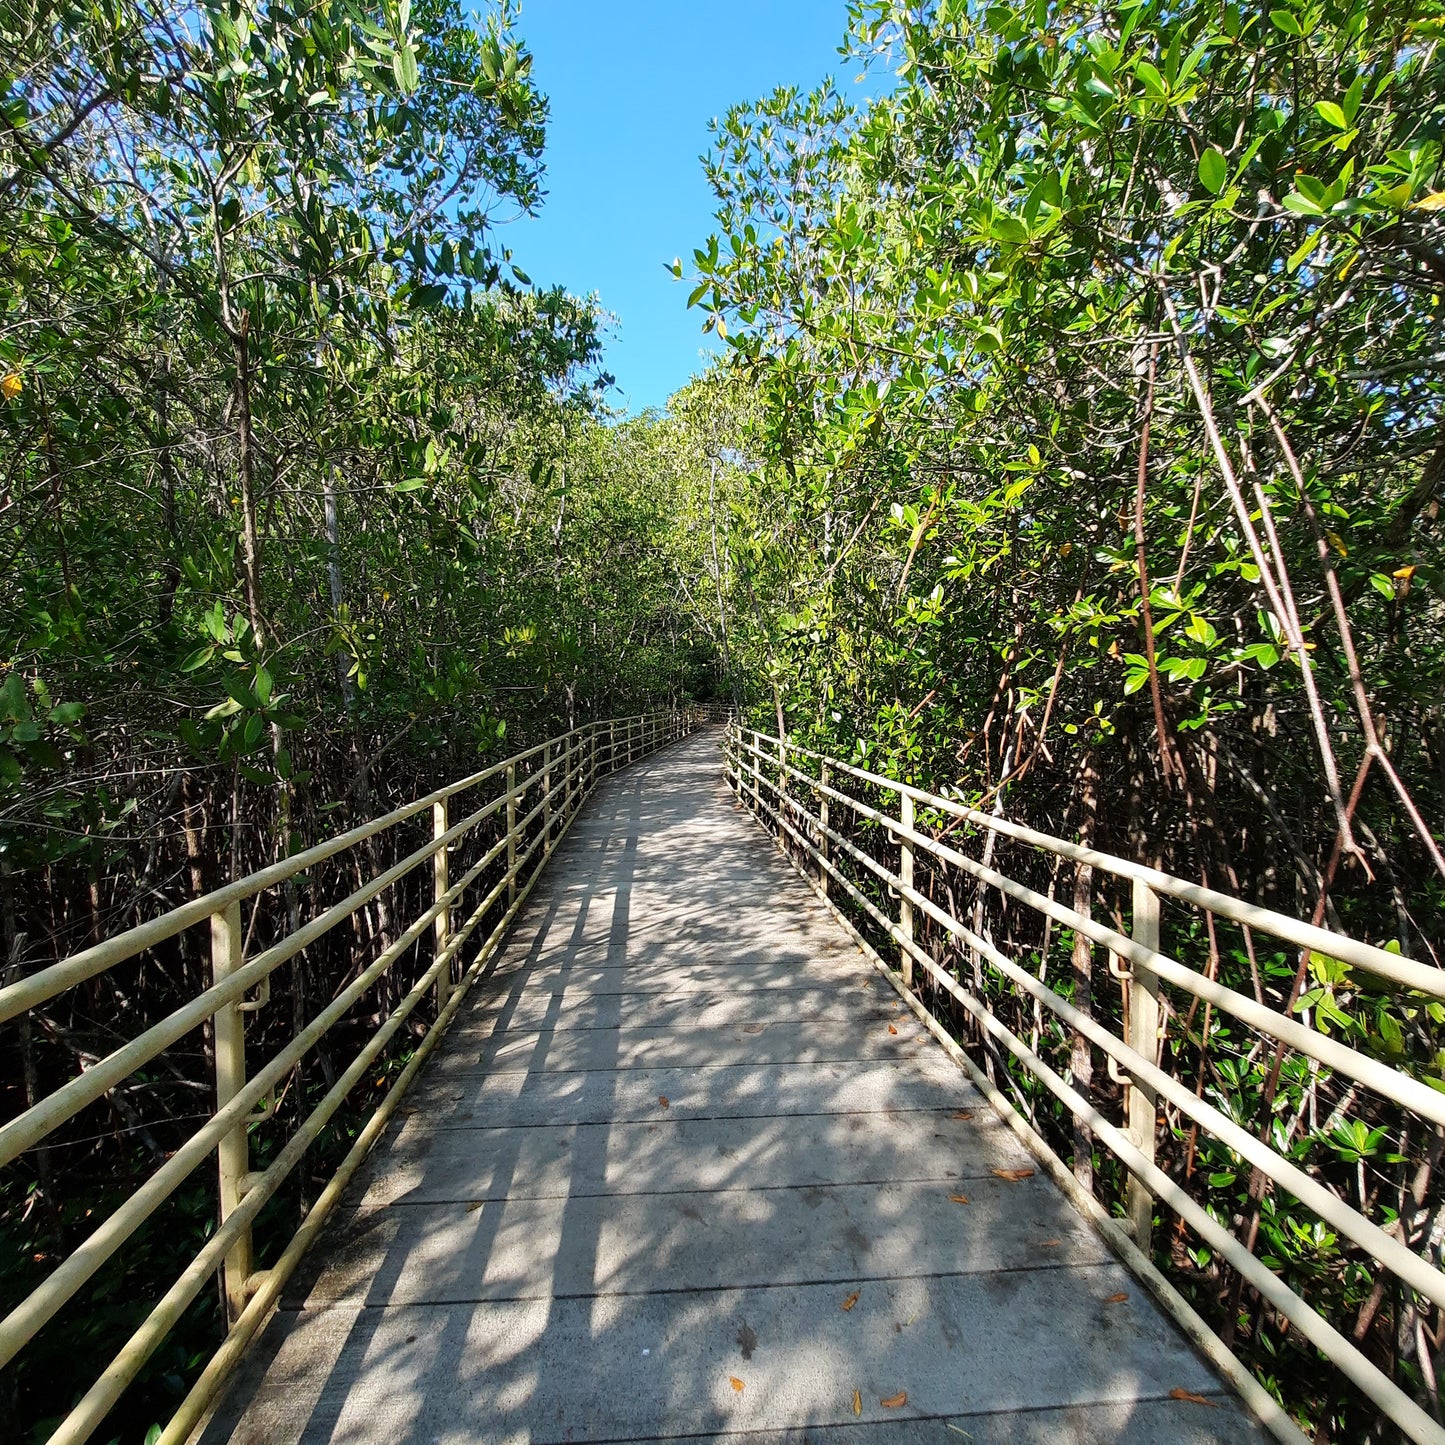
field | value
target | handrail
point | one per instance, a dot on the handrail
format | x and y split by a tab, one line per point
762	770
563	770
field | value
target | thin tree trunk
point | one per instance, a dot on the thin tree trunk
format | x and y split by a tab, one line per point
251	539
1081	1059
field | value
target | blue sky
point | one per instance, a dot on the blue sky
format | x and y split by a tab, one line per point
633	84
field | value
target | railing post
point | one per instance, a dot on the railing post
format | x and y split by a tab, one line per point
1143	1037
905	874
511	833
546	801
612	746
233	1154
755	767
442	924
824	877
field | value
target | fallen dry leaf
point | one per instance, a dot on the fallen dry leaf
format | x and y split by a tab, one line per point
663	1100
891	1029
894	1401
959	1198
962	1114
1179	1393
1014	1175
475	1205
736	1383
1116	1299
857	1402
851	1300
1051	1243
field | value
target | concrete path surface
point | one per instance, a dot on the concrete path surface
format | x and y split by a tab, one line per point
685	1168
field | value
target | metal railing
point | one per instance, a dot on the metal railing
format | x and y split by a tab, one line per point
541	791
813	803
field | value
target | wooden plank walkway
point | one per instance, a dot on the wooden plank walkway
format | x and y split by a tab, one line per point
680	1127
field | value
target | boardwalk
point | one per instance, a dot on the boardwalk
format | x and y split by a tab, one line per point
686	1169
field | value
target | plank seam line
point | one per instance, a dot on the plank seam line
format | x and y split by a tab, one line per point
438	1126
644	1067
434	1126
911	1418
494	1071
862	1281
941	1180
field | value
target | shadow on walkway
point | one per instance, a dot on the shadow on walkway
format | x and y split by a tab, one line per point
685	1168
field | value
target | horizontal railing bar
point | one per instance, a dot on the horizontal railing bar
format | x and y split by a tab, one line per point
39	987
102	1397
572	784
1259	1400
50	1112
1416	1272
1409	973
194	1406
28	1317
1340	1351
1393	1401
1390	1083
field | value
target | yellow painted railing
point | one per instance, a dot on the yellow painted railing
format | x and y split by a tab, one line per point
820	808
538	793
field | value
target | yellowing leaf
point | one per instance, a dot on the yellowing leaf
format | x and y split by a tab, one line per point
12	385
1014	1175
851	1300
857	1402
1179	1393
1435	201
893	1402
736	1383
1337	542
1404	573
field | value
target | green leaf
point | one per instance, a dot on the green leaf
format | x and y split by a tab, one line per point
1152	81
1302	252
1383	585
1331	114
403	65
1213	171
1284	21
199	658
14	705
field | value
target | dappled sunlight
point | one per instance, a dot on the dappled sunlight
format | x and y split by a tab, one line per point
685	1167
